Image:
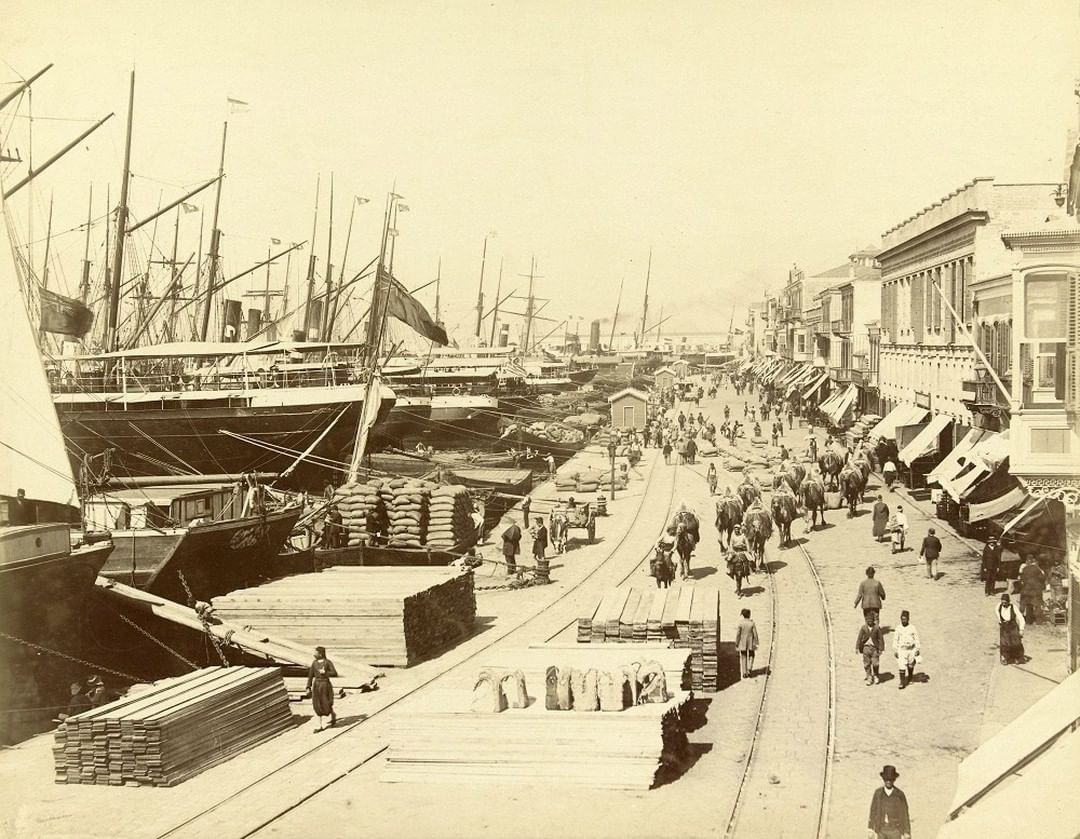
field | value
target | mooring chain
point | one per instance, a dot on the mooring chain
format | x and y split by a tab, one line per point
89	664
199	613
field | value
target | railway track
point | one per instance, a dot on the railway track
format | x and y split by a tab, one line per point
822	802
189	824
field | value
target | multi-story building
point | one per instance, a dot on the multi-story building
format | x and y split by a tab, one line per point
930	264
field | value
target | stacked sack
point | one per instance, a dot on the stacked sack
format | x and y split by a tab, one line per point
354	501
588	482
449	522
621	481
566	482
408	512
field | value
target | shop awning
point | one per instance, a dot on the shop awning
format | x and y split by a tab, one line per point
842	404
903	414
806	375
1028	510
816	386
981	461
1017	750
926	439
1012	499
790	375
954	461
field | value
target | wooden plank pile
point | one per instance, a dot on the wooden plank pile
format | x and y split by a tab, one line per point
174	729
384	616
688	616
445	738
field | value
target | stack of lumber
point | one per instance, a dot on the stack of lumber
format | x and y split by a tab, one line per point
450	521
408	512
355	500
384	616
441	739
173	730
688	616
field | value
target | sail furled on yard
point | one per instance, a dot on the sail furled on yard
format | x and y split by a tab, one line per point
32	455
64	315
407	309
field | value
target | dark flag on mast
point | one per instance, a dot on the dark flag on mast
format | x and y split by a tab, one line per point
63	315
408	309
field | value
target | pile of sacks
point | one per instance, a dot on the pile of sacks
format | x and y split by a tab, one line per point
589	481
584	420
408	511
421	513
354	501
449	522
555	432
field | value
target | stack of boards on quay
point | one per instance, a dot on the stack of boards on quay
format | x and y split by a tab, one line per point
384	616
421	513
173	730
551	715
688	616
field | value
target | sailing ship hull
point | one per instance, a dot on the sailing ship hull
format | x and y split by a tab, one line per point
43	593
151	438
583	375
405	423
462	418
214	558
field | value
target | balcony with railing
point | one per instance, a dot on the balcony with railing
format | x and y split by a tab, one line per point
850	375
983	392
839	327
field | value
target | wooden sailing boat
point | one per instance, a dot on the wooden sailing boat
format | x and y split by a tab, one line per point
45	576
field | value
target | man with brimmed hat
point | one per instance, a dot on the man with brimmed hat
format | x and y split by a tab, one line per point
889	817
991	561
95	691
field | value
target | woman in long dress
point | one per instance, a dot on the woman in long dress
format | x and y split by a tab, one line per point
881	518
321	689
1010	632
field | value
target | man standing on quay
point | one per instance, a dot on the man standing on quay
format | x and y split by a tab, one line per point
746	642
930	550
871	594
870	644
889	818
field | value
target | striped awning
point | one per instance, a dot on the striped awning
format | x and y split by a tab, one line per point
926	439
954	461
815	385
996	506
903	414
979	463
839	408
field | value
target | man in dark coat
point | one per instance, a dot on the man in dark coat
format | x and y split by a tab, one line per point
21	511
870	645
526	505
991	561
880	517
930	551
1032	583
889	817
871	593
511	547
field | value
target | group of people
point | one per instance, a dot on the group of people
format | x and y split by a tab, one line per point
870	642
85	696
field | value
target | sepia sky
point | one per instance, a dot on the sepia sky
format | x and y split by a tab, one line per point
733	138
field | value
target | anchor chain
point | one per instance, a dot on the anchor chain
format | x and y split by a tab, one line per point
202	619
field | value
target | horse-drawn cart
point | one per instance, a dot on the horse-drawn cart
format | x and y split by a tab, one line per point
564	518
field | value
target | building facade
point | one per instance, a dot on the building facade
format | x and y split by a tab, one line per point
931	264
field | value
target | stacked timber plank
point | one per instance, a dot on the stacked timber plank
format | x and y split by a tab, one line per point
384	616
442	739
174	729
688	616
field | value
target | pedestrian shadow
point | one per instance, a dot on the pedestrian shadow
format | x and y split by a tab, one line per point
694	714
886	677
748	591
727	665
758	672
798	542
675	766
702	572
775	565
826	525
921	678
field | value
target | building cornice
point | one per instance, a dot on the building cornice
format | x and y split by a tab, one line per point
968	218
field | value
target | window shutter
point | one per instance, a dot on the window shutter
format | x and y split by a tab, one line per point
1072	348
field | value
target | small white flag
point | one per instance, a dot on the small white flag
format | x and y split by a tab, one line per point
392	231
395	195
403	208
361	200
274	241
189	208
237	106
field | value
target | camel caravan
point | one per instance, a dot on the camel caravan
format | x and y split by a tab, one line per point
745	521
